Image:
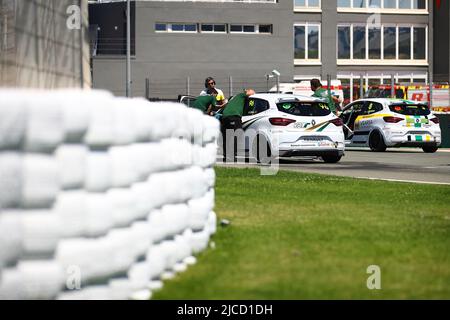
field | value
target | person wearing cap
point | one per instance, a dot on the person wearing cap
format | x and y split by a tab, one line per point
320	92
210	89
232	116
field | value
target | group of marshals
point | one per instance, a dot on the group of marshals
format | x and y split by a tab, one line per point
212	99
232	112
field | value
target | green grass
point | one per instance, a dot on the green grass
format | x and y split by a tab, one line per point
308	236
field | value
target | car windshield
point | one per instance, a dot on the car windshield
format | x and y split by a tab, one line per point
384	93
304	109
410	109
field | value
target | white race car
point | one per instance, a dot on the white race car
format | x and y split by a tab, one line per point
293	126
383	123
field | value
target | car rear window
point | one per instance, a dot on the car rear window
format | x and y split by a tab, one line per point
410	109
304	109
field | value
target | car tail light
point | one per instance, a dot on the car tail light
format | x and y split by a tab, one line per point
281	121
337	122
392	119
435	120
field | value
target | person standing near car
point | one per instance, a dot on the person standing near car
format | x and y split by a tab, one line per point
232	118
210	89
205	104
320	92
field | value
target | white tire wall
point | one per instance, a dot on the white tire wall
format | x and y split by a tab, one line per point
100	197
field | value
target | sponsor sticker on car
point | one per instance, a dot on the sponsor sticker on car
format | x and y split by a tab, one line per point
416	121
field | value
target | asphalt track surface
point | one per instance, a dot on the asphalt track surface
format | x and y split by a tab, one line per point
400	164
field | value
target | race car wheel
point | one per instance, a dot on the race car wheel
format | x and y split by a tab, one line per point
262	156
331	158
430	149
376	142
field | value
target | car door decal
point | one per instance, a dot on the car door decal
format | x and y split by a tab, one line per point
366	117
248	123
320	127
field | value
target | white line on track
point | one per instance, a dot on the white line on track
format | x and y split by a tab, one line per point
418	150
407	181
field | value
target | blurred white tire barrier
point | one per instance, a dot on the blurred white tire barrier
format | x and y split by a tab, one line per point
200	209
28	180
32	280
101	197
72	162
11	238
98	172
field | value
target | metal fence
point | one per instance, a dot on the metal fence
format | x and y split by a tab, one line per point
437	95
170	88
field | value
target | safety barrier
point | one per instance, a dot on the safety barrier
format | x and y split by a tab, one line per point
100	197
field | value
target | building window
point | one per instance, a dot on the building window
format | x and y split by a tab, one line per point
419	4
359	42
404	4
344	42
265	28
390	43
389	6
420	38
250	28
207	28
313	42
344	3
176	27
374	3
307	43
404	43
359	3
300	42
382	45
160	27
213	28
374	43
218	28
241	28
307	5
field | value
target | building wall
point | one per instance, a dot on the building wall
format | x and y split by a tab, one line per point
38	50
174	57
442	44
169	59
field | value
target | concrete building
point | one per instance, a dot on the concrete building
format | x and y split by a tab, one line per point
44	44
179	43
441	53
